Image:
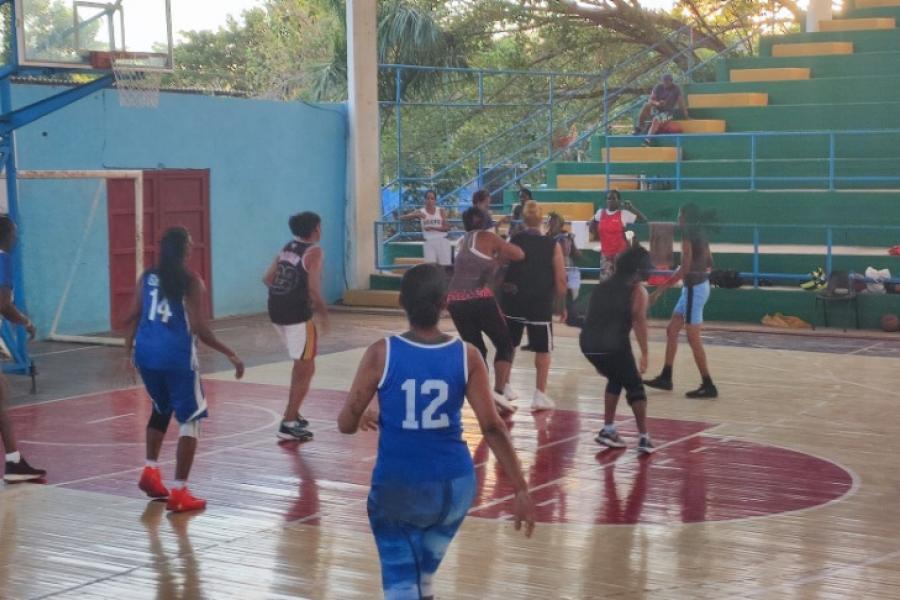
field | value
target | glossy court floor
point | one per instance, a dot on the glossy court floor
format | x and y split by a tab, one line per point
784	487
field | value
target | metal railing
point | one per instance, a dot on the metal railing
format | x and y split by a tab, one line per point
594	103
824	245
828	181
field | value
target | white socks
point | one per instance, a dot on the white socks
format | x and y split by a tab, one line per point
179	485
151	464
13	457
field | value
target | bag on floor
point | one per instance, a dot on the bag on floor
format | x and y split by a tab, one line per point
723	278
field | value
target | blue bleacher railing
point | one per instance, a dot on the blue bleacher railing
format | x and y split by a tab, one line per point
821	243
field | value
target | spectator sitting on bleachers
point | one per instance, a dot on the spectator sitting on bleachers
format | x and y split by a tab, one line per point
664	99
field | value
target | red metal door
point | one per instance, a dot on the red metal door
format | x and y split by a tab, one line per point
171	197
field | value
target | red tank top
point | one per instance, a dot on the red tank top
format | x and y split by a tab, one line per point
612	234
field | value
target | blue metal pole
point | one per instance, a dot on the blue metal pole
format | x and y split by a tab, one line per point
550	118
398	118
831	154
606	105
752	162
756	257
678	163
829	240
19	345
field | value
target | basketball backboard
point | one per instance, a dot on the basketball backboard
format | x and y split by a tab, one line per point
64	33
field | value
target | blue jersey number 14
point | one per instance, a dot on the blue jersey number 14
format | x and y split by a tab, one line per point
159	308
430	387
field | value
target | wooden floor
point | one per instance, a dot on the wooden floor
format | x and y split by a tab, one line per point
784	487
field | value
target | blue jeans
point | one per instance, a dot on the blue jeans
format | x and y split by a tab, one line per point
413	524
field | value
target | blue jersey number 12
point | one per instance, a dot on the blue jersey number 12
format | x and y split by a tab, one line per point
441	392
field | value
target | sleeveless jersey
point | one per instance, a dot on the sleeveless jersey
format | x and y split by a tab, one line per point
608	323
472	272
612	233
420	396
289	292
431	220
529	287
164	341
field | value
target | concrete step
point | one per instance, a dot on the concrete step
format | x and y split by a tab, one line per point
812	49
701	125
727	100
570	211
863	4
376	298
858	24
596	182
771	74
640	154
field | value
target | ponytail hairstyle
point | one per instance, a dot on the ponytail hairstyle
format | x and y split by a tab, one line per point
423	294
173	275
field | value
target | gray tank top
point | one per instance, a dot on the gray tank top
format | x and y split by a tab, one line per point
472	269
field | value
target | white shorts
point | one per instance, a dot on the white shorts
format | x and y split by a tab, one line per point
299	339
437	250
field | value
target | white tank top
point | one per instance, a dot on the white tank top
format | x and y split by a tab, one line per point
431	220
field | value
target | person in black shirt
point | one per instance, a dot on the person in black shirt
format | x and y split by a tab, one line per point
530	291
294	280
660	109
617	306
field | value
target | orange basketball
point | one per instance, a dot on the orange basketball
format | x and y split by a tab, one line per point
890	323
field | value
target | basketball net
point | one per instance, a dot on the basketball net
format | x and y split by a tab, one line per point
138	86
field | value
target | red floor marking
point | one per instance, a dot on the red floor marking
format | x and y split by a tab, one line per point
241	465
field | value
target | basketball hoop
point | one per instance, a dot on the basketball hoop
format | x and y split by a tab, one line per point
137	83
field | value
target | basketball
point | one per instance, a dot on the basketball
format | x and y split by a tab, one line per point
890	323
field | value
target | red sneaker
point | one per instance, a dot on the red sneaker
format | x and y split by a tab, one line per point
151	483
182	501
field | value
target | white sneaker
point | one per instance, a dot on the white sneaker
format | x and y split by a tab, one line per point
510	393
503	405
541	401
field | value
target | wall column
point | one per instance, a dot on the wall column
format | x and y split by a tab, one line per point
364	189
819	10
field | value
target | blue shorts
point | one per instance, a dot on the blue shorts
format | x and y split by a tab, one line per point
690	304
413	524
176	392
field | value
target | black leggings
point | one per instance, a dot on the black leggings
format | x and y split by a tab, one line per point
482	315
621	370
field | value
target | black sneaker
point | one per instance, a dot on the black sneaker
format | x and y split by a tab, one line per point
610	440
660	383
303	422
704	391
22	471
645	446
295	433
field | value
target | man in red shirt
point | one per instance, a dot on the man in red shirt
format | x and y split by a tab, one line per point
610	223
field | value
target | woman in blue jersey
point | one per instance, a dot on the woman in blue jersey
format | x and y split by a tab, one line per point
424	481
165	319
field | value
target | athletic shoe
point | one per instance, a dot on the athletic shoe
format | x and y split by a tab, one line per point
151	483
645	446
704	391
295	433
511	394
303	422
541	401
22	471
610	440
182	501
660	383
503	405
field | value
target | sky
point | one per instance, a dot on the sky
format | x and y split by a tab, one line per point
197	15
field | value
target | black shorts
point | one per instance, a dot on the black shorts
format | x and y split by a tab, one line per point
622	372
540	335
482	315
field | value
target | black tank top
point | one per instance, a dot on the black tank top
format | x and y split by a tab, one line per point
529	286
698	270
608	323
289	292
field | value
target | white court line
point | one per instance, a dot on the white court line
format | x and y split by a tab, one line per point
107	419
632	457
66	351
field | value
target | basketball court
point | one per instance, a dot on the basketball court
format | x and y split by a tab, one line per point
775	489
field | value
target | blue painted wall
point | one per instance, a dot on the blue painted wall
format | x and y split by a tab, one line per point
267	160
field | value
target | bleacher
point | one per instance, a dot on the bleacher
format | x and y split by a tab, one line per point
824	109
